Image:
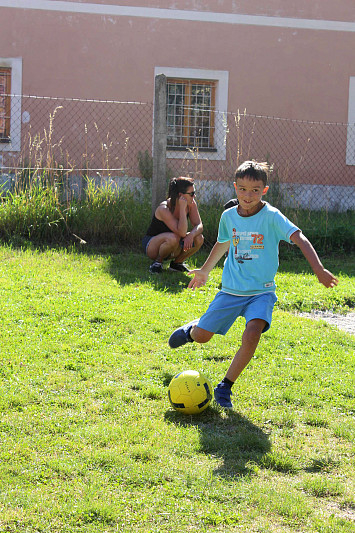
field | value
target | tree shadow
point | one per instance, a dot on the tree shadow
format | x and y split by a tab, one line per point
239	443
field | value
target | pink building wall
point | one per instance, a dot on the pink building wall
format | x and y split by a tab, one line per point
289	59
289	72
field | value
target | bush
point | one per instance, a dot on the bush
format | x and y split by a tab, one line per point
111	217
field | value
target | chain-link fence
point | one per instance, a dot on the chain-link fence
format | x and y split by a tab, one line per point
68	140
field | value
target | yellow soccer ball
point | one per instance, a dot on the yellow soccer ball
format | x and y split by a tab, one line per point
190	392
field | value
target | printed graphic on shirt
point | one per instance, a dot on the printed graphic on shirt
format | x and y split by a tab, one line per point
245	243
235	241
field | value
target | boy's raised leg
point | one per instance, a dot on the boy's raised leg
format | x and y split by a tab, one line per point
189	333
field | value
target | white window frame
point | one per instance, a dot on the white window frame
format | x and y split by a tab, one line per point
221	105
15	63
350	143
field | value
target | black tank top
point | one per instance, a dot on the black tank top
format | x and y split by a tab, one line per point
156	227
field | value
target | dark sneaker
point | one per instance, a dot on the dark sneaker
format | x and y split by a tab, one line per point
182	335
179	267
156	268
222	396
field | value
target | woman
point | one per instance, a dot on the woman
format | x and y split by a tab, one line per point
167	236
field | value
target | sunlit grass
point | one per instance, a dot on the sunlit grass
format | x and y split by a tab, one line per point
88	440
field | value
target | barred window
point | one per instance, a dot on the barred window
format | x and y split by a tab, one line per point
191	114
5	104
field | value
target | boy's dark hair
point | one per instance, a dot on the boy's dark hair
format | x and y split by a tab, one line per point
177	186
253	170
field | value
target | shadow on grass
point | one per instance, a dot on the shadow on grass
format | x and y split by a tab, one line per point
126	266
129	265
293	262
240	444
130	268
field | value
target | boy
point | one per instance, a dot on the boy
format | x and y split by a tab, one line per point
251	231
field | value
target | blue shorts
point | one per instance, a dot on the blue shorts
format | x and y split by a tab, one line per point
145	241
225	309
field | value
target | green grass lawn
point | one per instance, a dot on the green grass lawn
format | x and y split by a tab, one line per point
89	442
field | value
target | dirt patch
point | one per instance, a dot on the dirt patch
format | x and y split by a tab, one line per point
344	322
342	512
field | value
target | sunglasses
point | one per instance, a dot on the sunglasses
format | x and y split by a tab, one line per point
192	194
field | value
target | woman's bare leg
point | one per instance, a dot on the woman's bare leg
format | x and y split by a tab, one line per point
163	246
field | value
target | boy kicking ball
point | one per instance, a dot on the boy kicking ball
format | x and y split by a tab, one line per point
251	232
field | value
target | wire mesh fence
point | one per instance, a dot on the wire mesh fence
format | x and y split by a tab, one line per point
72	140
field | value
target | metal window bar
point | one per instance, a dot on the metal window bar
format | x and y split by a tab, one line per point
5	103
190	113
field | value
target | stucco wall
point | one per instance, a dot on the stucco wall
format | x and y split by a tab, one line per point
280	71
277	65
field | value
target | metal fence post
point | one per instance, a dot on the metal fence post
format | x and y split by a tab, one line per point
159	142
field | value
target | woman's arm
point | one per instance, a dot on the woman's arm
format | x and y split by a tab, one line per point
197	226
178	226
195	219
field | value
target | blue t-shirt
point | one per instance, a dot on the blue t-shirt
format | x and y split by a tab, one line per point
253	258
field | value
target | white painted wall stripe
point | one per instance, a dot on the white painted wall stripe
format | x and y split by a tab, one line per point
179	14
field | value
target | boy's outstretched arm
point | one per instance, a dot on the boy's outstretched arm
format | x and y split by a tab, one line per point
324	276
201	274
